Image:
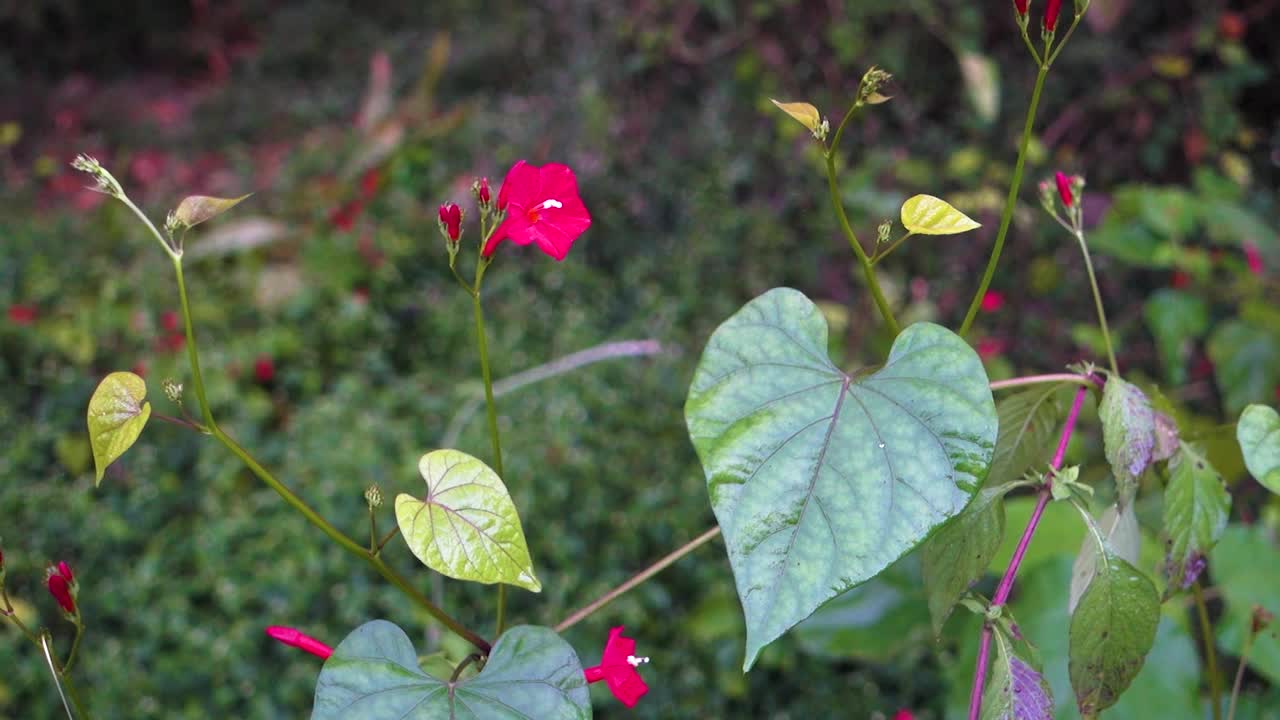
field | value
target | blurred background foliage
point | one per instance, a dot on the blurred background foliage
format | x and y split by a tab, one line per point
338	348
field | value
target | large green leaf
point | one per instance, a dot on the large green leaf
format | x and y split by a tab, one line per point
1027	423
1128	434
1111	632
1176	319
1246	362
1246	568
118	411
467	526
1196	506
821	479
1259	436
531	674
1017	689
959	554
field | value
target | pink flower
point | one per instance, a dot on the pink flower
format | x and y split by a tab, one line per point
618	668
294	638
543	207
65	571
169	321
990	348
264	370
369	183
1064	182
905	714
451	221
1253	257
22	314
1051	17
992	301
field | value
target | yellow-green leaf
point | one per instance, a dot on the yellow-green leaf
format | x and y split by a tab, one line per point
928	215
467	526
117	413
806	114
196	209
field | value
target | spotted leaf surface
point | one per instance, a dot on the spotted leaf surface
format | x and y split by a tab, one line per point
1128	434
1016	690
821	479
1196	508
467	526
532	674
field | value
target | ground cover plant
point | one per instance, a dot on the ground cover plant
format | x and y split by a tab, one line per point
836	488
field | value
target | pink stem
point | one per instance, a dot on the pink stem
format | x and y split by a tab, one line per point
1006	582
1042	379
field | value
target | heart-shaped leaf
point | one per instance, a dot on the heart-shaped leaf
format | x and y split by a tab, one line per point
467	527
118	411
196	209
1111	632
928	215
821	479
1128	434
804	113
1259	436
1196	507
531	674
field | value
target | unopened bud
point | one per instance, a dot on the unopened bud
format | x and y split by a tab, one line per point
1064	189
106	182
869	89
480	189
373	496
1021	7
62	587
1262	619
883	231
173	391
451	222
1046	195
1051	15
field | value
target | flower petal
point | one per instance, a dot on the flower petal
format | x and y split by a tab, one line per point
521	186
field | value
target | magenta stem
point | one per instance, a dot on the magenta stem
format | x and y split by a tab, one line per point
1006	582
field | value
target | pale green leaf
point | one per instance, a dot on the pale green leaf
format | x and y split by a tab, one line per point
804	113
1246	569
467	526
821	479
1128	434
1124	538
959	553
196	209
118	411
1259	437
1196	507
1246	362
928	215
1111	632
531	674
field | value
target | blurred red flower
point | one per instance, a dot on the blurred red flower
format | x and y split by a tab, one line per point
1253	257
543	207
264	370
618	668
989	348
22	314
992	301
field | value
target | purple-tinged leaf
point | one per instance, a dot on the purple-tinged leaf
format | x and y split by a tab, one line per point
1016	690
1196	506
1128	434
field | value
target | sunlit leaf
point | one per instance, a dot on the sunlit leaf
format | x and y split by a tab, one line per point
804	113
821	479
196	209
118	411
1259	436
928	215
467	526
374	675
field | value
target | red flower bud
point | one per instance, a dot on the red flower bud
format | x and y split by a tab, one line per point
451	220
169	320
264	370
992	301
302	641
482	192
60	589
1064	184
1020	6
65	571
1051	17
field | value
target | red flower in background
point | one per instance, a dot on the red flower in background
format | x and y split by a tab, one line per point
904	714
991	348
1253	257
992	301
543	207
618	668
302	641
344	218
22	314
264	370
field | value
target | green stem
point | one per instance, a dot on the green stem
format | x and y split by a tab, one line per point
74	694
639	578
1010	202
1097	302
882	255
75	645
868	271
1239	681
173	254
373	532
292	499
1210	652
387	538
491	411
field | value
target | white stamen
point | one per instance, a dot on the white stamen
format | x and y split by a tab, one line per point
551	204
634	661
